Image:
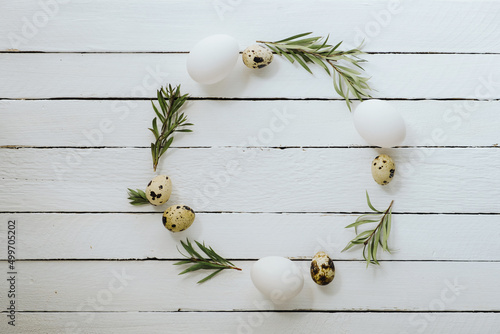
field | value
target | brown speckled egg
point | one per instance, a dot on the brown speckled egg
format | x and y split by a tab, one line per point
159	189
178	218
322	269
383	169
256	56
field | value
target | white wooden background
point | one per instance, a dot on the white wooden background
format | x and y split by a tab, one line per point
274	167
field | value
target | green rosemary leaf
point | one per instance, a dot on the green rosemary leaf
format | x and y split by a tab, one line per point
349	82
189	248
172	120
301	62
137	197
154	129
374	243
360	222
371	239
210	276
370	203
206	251
367	254
321	63
160	116
349	245
213	261
194	267
294	37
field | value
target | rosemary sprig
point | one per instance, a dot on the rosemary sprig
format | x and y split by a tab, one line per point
371	239
137	197
172	120
315	50
213	262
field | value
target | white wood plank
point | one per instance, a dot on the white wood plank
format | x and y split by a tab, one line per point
272	123
152	25
156	286
251	180
139	75
244	323
84	236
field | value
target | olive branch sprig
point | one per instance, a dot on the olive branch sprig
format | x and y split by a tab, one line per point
172	120
371	239
315	50
213	262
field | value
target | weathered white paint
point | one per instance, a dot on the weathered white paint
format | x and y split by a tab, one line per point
139	75
264	323
90	123
252	180
141	236
156	286
153	25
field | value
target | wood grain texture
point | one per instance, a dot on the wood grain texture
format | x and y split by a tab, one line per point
460	180
142	236
420	76
263	323
397	26
245	123
156	286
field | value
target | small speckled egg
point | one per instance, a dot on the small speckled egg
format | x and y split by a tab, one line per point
159	189
178	218
383	169
257	56
322	269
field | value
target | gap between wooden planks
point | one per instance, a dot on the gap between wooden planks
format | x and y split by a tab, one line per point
124	123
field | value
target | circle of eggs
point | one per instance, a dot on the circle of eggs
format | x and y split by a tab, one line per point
277	278
212	59
379	123
159	190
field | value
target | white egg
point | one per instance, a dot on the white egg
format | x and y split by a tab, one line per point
277	278
212	59
379	123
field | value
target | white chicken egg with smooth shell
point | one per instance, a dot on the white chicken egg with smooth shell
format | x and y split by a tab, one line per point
379	123
277	278
212	59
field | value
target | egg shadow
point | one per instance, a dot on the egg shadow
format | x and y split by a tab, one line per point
331	289
194	232
238	81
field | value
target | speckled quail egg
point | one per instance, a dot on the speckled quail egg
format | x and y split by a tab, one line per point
322	269
383	169
159	189
257	56
178	218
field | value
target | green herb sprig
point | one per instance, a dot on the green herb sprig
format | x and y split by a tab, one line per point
172	120
315	50
371	239
213	262
137	197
